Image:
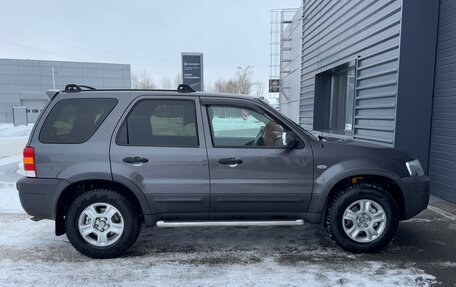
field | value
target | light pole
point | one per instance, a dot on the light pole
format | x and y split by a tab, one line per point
53	78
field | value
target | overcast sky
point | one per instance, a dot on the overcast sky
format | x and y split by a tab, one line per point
149	35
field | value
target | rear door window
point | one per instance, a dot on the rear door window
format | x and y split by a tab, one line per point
170	123
73	121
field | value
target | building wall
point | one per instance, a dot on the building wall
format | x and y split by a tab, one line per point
290	68
368	32
416	77
442	154
26	81
398	93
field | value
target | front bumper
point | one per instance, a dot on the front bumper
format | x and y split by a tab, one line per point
415	190
39	196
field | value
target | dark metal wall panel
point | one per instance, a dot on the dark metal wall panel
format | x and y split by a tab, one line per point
442	155
337	32
416	77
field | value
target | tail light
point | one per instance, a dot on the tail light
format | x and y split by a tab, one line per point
29	162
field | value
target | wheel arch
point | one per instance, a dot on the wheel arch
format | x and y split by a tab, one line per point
388	184
327	184
71	191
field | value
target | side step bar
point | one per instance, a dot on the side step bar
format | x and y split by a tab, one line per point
162	223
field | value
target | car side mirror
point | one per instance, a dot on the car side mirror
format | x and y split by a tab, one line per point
289	140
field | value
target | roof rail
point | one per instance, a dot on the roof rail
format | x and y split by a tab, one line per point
182	88
77	88
74	88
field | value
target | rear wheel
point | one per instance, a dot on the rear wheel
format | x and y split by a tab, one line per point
102	223
362	218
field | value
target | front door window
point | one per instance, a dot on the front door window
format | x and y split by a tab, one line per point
242	127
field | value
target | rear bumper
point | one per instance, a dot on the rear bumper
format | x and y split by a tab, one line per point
415	190
39	196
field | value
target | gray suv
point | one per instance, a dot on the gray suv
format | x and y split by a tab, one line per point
102	163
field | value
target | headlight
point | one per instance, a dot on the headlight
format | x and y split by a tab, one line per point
414	168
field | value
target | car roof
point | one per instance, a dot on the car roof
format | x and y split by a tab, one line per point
147	92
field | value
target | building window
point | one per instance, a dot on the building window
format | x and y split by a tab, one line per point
334	99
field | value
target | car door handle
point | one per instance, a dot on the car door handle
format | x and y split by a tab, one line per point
231	161
135	160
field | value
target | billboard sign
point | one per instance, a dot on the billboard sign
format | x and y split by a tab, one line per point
274	86
192	70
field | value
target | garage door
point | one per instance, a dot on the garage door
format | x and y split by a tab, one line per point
442	157
34	108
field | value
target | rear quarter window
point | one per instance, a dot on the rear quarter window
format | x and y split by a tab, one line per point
73	121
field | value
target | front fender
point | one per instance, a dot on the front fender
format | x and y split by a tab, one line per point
327	179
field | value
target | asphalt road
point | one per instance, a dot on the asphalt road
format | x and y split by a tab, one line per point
429	242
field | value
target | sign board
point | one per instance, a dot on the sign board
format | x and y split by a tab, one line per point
192	70
274	86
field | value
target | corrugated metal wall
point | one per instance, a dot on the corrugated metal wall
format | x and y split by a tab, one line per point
336	32
442	156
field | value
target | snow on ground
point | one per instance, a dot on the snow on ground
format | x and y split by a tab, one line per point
9	199
9	130
31	255
294	256
12	141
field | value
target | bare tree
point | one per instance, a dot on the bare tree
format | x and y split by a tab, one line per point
219	86
142	80
226	86
241	83
177	79
165	82
232	86
244	79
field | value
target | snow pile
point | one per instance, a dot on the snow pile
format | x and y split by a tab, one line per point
9	130
10	159
9	198
13	140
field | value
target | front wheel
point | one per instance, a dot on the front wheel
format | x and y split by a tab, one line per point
362	218
102	223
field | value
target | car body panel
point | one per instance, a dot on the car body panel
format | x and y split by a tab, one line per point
65	161
190	183
268	179
175	179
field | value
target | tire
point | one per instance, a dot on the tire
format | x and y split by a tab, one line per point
357	231
103	238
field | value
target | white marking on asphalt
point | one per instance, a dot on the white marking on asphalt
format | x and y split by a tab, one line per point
442	212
